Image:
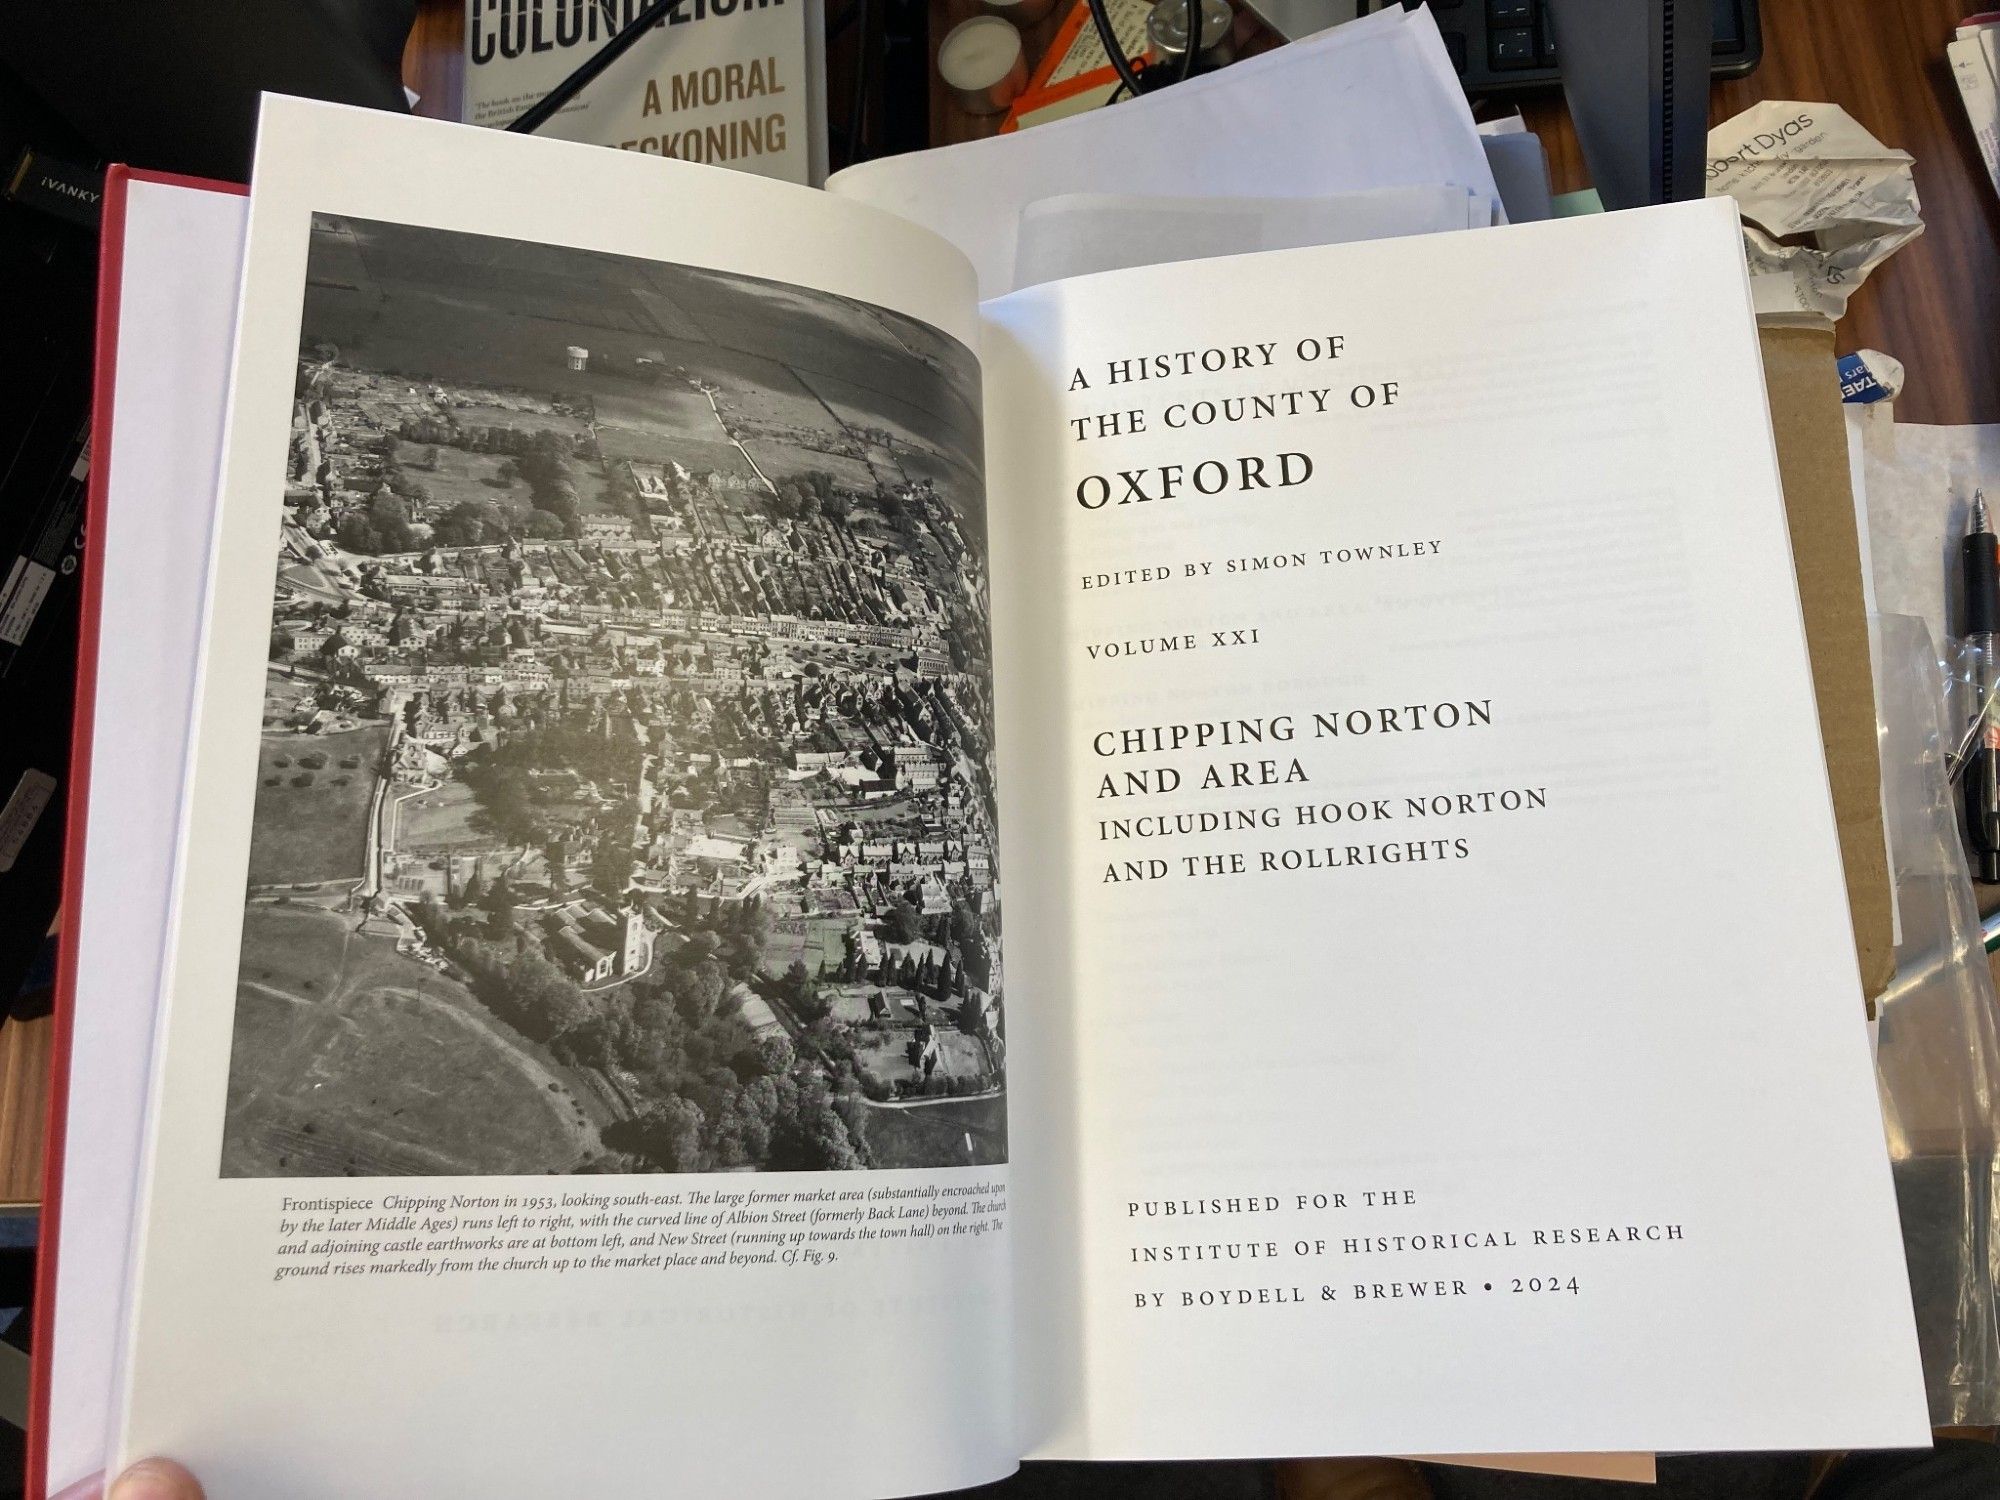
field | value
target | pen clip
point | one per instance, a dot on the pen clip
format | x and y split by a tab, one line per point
1960	758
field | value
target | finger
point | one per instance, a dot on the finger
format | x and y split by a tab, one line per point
155	1479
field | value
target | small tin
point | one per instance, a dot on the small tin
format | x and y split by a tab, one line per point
1166	33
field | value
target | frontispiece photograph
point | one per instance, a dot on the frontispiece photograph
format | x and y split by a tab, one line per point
625	796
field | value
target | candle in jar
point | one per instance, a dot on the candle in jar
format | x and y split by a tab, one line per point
980	61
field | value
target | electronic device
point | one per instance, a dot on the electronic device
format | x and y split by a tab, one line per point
1508	47
1503	47
1638	94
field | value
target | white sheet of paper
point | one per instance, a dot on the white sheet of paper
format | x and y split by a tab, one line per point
1973	55
1370	104
1081	233
176	318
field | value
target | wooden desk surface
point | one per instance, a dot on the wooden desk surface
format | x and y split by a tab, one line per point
1935	304
24	1097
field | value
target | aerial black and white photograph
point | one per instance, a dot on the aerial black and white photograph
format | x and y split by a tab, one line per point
625	795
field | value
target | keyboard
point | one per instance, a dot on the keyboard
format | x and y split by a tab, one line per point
1502	47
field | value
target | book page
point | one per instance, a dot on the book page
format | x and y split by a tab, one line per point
168	317
1440	942
583	1054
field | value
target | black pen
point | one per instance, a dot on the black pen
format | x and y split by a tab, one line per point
1979	554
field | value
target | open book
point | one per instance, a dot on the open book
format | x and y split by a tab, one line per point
645	616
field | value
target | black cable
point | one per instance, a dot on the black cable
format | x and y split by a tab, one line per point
857	111
540	113
1113	47
1129	80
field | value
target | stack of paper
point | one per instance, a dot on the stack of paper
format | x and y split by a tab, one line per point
1369	105
1079	233
1975	65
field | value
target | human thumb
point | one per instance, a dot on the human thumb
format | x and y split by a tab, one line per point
155	1479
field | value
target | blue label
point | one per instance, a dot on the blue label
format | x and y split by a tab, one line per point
1858	383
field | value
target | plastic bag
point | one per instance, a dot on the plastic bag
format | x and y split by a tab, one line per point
1938	1046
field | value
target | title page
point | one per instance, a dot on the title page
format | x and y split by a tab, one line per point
1375	622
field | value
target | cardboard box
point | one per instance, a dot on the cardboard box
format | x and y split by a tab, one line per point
1811	437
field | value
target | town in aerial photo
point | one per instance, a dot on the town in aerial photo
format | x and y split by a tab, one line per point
625	801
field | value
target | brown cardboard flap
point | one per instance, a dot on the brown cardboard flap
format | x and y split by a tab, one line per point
1811	436
1629	1468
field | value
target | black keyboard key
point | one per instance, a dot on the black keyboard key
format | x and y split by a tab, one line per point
1510	12
1513	48
1454	43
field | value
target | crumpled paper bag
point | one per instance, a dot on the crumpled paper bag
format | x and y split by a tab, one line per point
1823	202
